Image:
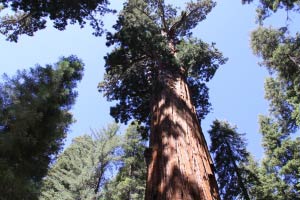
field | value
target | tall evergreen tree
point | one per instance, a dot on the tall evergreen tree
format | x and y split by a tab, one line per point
81	170
157	73
29	16
130	182
280	53
230	156
34	120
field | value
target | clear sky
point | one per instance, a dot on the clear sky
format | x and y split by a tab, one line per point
236	91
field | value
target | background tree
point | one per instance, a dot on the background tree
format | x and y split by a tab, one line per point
34	120
29	16
130	181
280	53
82	169
230	156
280	166
157	73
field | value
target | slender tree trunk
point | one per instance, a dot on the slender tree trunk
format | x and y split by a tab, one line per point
180	166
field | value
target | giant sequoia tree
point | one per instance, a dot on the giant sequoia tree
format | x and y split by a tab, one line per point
157	73
34	120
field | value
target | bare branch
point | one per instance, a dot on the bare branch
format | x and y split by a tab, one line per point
177	24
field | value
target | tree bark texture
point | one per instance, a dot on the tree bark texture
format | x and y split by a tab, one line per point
180	166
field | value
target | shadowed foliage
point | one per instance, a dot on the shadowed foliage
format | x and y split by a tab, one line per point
29	16
34	120
267	7
230	156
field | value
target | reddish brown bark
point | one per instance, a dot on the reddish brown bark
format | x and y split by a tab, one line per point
180	167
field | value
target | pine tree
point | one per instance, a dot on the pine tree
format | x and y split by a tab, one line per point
34	120
82	169
29	16
157	73
280	53
281	165
230	156
130	182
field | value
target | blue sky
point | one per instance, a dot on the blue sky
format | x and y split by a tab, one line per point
236	91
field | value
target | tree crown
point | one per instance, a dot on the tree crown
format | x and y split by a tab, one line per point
149	36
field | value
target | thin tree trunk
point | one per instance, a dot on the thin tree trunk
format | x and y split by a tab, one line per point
180	166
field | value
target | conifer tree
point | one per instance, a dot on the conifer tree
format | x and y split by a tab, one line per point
157	74
34	120
280	166
280	53
82	169
230	156
130	181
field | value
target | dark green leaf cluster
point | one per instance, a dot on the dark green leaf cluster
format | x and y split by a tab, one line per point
230	156
200	61
281	55
82	169
279	173
267	7
31	15
145	32
280	169
130	182
34	120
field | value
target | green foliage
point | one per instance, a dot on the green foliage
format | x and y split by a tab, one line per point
29	16
130	182
82	169
231	159
281	165
281	55
34	120
267	7
279	173
145	31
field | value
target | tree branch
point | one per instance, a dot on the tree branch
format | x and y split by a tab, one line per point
177	24
295	60
184	17
17	20
163	16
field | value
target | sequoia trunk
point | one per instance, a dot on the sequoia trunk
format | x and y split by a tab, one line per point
180	166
